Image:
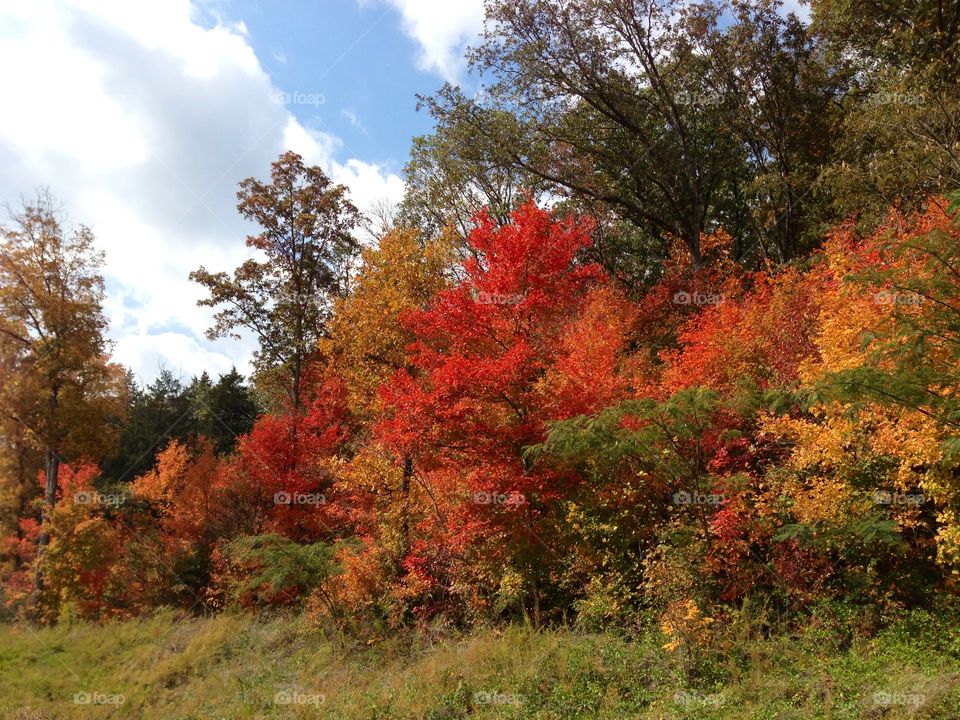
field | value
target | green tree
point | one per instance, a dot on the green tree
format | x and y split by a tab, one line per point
285	298
785	110
155	414
448	180
224	410
900	140
605	101
664	119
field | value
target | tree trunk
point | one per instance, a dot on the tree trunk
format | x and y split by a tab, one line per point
405	491
536	604
22	483
52	476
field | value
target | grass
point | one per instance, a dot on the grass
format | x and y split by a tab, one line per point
236	666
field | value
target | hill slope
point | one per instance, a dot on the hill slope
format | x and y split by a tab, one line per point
236	666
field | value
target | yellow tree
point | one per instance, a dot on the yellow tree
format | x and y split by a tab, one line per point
875	449
366	343
184	491
58	386
366	347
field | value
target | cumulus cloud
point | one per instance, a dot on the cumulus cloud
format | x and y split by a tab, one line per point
442	29
142	118
177	352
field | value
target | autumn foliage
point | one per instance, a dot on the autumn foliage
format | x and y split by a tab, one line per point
517	435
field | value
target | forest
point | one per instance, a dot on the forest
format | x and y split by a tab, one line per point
662	343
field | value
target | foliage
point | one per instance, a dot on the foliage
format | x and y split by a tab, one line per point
898	136
285	299
60	395
664	340
514	438
518	341
261	570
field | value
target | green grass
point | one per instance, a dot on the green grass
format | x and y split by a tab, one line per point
235	666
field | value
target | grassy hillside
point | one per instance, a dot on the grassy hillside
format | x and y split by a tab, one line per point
235	666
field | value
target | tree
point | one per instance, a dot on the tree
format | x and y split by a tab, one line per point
760	338
785	110
529	335
167	409
367	341
661	118
62	390
899	141
448	181
105	557
284	468
224	410
889	341
640	454
155	414
185	493
285	299
606	101
367	346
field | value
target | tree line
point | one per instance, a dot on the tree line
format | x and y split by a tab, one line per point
667	320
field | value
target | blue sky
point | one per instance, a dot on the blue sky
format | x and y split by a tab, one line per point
143	115
357	58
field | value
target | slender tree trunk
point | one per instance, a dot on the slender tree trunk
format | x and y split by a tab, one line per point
22	481
295	388
405	491
52	476
536	604
693	240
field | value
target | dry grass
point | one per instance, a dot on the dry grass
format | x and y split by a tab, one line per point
236	666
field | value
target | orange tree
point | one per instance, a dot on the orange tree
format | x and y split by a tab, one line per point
528	336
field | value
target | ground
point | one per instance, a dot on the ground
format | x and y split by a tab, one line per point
172	666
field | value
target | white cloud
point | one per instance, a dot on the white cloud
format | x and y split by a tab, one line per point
367	182
176	352
443	29
351	116
142	121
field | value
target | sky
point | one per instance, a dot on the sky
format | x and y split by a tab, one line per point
142	116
